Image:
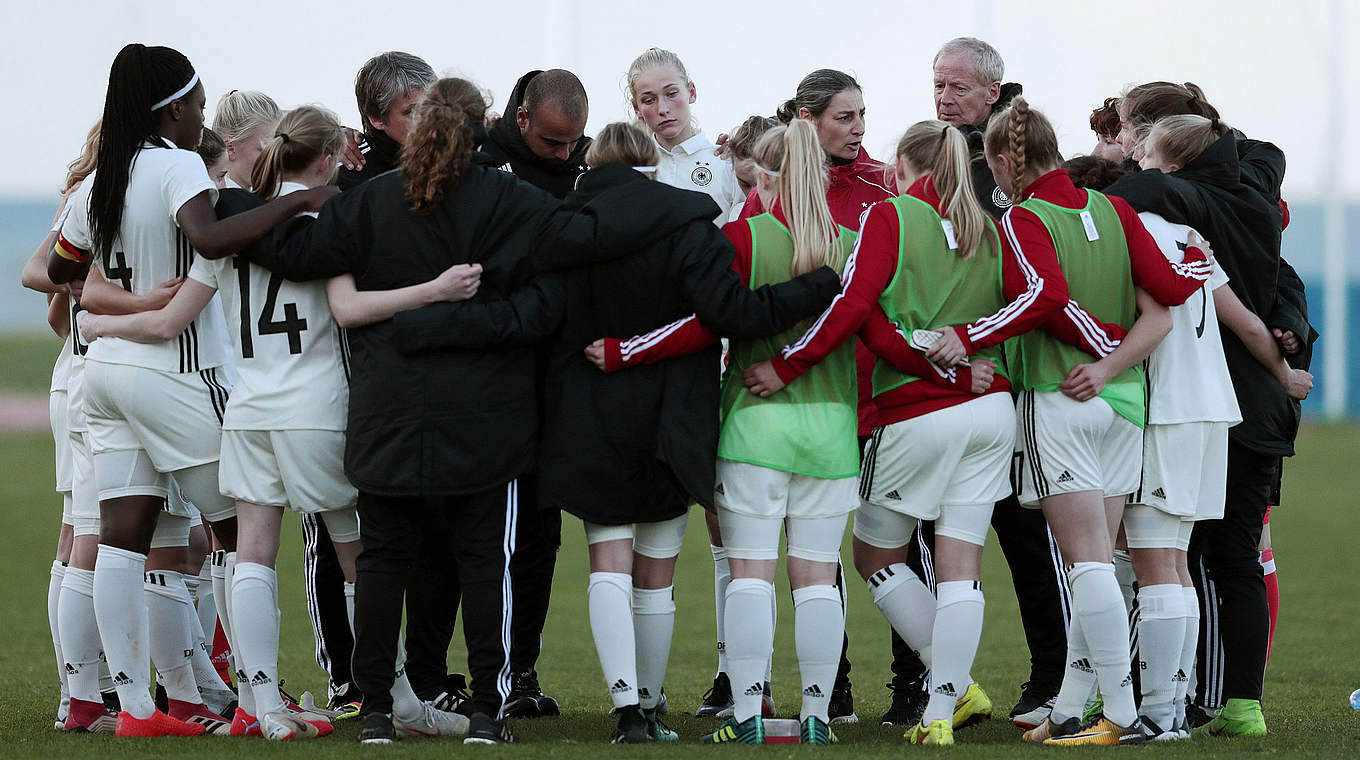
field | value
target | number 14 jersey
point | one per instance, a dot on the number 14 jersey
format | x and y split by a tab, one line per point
292	358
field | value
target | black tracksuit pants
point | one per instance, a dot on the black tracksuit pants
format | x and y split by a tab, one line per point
326	605
432	601
1225	563
481	538
540	536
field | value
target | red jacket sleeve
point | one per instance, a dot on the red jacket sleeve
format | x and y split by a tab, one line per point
1032	281
867	273
1078	327
1169	283
888	342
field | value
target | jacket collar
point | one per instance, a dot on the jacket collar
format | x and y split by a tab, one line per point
1217	165
381	148
861	166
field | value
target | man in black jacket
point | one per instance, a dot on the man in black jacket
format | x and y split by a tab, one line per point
387	89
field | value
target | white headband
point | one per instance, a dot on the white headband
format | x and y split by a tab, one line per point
181	92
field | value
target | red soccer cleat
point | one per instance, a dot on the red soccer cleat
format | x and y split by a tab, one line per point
84	717
159	724
245	724
197	712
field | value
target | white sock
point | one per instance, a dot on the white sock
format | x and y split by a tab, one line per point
1187	660
206	606
907	604
80	645
1161	635
54	623
610	599
653	627
205	675
120	609
1079	677
958	627
774	626
722	575
170	643
1105	626
750	639
404	699
1128	580
255	587
818	629
349	605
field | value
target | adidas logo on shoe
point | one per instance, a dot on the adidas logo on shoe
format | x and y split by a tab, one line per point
1084	665
946	689
619	686
1180	677
812	691
122	679
755	690
1159	493
259	679
1065	477
893	494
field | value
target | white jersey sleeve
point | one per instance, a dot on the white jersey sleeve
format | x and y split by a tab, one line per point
208	271
185	178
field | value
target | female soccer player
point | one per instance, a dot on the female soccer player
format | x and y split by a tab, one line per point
245	120
154	409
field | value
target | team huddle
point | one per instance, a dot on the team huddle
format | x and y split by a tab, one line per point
433	336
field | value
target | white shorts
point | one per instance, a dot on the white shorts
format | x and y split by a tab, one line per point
176	503
303	470
1067	446
1185	469
757	491
84	493
171	531
61	438
1150	528
816	539
175	418
959	455
658	540
888	529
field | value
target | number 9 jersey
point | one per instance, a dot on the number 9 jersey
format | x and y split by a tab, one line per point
292	358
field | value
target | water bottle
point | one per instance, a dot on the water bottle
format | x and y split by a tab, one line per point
1355	700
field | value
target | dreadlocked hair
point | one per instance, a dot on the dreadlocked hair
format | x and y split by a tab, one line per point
792	154
303	135
441	142
140	77
1027	135
83	165
937	148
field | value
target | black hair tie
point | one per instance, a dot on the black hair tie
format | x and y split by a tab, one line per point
284	135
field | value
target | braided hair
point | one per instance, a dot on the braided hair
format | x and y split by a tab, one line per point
141	77
1028	137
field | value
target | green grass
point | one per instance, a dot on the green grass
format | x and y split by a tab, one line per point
27	362
1313	670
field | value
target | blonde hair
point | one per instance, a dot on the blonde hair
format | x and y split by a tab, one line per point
82	165
1181	139
304	134
441	142
622	143
1028	136
652	58
942	151
241	112
792	154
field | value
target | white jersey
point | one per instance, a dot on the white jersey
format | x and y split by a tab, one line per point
150	249
1188	377
691	165
76	420
292	366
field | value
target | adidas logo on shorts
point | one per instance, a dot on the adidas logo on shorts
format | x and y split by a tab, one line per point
814	691
946	689
122	679
755	690
893	494
619	686
1159	493
1084	665
1065	477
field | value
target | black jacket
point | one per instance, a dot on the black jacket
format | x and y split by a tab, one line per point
993	199
506	150
381	157
1230	195
448	422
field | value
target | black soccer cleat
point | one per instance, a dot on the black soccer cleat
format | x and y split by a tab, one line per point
527	700
1036	702
451	696
908	704
483	729
377	728
841	708
632	727
717	699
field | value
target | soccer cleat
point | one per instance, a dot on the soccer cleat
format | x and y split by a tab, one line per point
1049	730
346	710
453	696
1238	717
656	730
84	717
632	726
63	710
1104	733
1036	702
936	732
482	729
841	708
286	726
749	731
663	703
245	724
1196	716
1155	733
221	701
767	709
191	712
908	703
717	699
111	701
430	722
376	728
973	707
816	732
527	700
159	724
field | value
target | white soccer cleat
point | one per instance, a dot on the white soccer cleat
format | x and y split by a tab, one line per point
285	726
430	722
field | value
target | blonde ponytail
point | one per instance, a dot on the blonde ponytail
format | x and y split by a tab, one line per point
941	150
793	155
1028	136
304	134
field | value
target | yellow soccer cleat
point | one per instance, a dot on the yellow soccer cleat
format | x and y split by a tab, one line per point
938	732
1103	734
973	707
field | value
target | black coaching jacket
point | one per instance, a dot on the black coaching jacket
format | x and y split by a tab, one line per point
505	149
637	445
449	422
